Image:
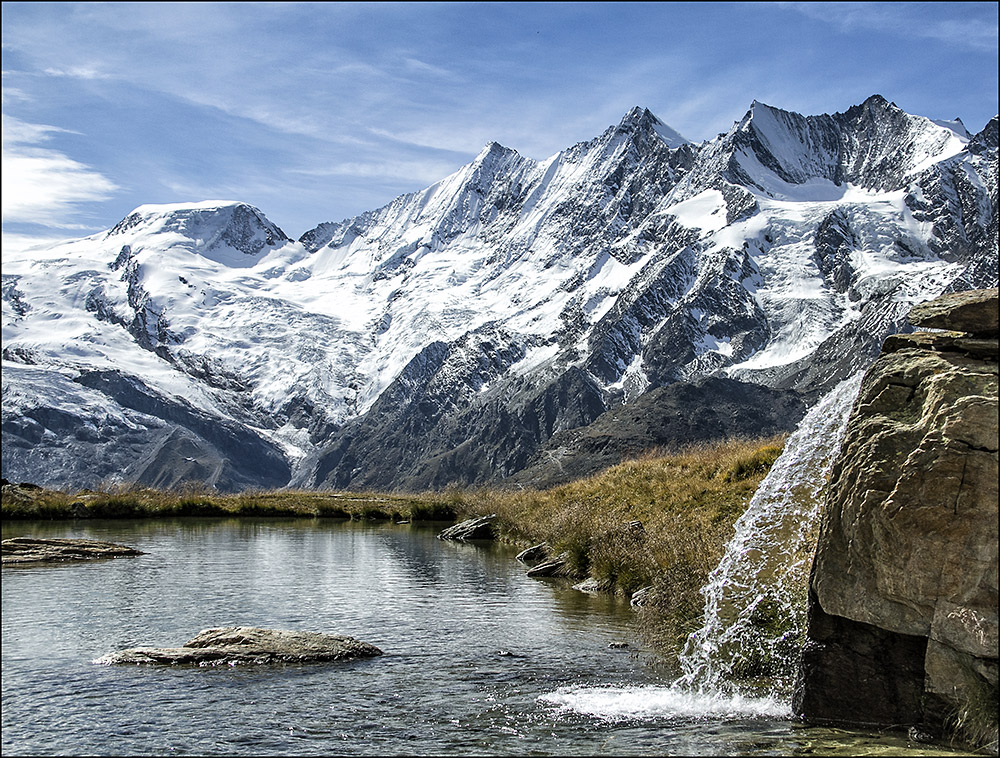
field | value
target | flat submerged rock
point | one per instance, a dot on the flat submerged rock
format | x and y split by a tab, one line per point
233	645
30	550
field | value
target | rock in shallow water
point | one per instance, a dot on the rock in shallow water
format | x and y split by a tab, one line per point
534	554
556	566
31	550
472	529
232	645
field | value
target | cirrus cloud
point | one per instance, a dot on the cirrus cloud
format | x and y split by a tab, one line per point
43	185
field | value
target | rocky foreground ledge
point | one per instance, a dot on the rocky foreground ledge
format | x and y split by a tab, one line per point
30	550
233	645
903	596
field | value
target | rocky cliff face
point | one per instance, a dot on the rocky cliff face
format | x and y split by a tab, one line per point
903	593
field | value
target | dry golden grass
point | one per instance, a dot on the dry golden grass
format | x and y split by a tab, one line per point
20	502
686	503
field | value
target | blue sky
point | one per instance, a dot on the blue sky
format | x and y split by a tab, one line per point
318	111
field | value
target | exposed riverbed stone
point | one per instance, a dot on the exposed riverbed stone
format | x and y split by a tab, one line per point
30	550
555	566
903	594
593	585
232	645
480	528
641	596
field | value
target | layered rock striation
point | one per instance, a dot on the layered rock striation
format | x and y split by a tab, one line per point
903	593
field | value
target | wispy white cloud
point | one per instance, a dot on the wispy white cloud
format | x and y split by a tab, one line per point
907	20
42	185
78	72
414	64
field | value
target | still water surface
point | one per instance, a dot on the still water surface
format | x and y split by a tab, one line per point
480	660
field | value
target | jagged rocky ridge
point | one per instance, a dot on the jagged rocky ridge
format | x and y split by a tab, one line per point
450	335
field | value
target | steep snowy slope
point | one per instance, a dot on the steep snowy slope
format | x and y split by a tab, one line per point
449	334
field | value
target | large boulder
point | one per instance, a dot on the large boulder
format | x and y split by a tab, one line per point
233	645
972	311
903	593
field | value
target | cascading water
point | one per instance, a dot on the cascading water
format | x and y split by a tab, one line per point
755	599
741	663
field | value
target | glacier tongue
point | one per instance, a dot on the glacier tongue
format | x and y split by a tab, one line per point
464	325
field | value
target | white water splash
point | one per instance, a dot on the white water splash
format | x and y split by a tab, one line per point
648	703
755	610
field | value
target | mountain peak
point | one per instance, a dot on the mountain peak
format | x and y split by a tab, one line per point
493	148
758	109
640	118
877	100
987	138
231	232
638	114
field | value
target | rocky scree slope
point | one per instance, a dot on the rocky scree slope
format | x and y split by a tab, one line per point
449	335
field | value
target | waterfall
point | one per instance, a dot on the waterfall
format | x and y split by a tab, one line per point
755	599
741	663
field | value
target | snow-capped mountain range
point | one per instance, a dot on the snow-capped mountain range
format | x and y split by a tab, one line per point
447	336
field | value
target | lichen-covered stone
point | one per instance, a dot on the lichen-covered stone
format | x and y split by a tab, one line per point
972	311
913	495
534	554
480	528
554	566
232	645
944	342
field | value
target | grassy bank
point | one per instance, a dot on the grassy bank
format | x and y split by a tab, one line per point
21	502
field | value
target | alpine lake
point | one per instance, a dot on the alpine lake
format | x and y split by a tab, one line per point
479	659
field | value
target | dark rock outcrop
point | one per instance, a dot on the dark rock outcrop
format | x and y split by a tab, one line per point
903	593
557	565
971	311
844	654
150	439
18	550
534	555
233	645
